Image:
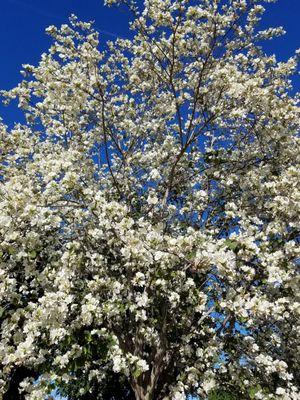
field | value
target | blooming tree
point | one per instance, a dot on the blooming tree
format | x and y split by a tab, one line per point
149	210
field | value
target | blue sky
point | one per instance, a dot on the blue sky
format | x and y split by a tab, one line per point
23	22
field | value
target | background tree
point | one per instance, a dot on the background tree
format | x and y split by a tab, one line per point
149	211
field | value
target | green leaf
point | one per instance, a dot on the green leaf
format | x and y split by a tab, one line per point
253	390
33	254
192	254
11	250
137	373
231	244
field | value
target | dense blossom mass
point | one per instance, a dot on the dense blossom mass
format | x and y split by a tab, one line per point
149	211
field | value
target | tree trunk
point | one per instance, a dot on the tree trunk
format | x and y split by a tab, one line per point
142	394
144	386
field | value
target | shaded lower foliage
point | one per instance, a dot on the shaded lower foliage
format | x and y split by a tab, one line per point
114	388
221	395
17	376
